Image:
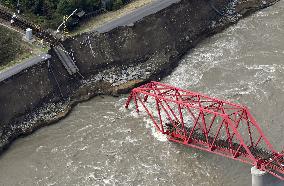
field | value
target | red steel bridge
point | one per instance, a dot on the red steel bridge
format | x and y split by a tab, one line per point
209	124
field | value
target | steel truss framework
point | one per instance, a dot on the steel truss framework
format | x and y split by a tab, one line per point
209	124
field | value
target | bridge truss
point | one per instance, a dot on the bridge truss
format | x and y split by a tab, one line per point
208	124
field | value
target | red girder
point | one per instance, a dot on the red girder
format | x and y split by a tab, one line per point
209	124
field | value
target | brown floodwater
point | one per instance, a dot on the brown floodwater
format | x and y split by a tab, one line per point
101	143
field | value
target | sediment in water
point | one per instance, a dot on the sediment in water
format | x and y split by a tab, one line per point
112	63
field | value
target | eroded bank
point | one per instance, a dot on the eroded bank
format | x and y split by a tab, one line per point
112	62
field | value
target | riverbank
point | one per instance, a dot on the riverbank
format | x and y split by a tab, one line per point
112	63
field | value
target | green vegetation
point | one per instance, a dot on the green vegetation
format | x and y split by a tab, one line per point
117	4
49	13
14	50
10	46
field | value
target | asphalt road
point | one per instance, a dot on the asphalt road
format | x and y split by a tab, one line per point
128	19
136	15
22	66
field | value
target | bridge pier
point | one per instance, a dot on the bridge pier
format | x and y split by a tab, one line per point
258	177
262	178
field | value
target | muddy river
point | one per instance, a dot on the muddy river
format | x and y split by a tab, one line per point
101	143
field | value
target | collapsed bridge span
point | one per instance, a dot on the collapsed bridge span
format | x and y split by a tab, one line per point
209	124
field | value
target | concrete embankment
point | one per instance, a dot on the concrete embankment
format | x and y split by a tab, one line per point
112	62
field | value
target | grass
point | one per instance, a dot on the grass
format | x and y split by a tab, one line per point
13	50
23	57
10	45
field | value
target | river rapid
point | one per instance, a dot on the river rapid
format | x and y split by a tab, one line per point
101	143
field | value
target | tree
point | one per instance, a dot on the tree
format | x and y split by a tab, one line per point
48	13
117	4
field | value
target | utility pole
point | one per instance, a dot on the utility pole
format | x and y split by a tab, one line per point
18	7
65	19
